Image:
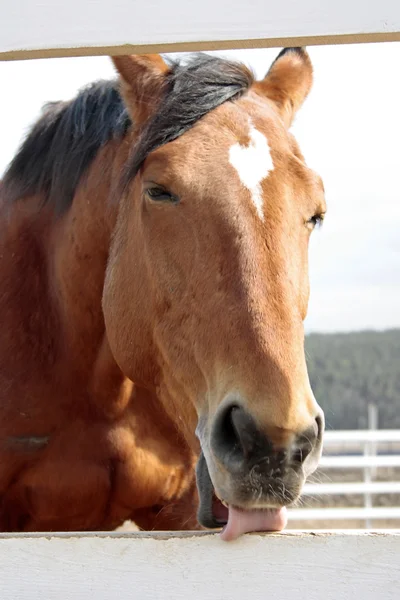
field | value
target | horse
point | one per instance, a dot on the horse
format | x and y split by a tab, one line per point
154	283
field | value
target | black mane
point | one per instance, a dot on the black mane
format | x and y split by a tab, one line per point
62	144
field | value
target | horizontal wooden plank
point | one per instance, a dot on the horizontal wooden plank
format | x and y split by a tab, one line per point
78	27
340	514
375	487
279	566
359	436
344	462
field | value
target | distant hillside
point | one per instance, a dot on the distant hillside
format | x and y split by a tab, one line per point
347	371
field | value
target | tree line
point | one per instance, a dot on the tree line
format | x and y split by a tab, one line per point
349	370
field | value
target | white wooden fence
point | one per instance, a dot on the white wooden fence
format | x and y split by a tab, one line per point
369	442
286	566
57	28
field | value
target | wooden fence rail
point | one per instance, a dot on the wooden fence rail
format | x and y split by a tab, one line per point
344	566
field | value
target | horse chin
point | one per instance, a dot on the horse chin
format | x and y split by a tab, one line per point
235	521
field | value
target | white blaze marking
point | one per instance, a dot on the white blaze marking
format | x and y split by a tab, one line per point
253	164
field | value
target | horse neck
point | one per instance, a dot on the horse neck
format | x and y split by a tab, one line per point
52	268
80	245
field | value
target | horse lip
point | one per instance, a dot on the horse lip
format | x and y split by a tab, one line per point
206	492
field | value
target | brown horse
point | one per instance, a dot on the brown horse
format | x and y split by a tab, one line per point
154	282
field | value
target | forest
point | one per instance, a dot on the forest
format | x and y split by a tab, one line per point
349	370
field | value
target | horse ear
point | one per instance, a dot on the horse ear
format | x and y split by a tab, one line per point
288	82
142	83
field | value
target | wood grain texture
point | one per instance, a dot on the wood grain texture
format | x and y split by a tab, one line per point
149	566
79	27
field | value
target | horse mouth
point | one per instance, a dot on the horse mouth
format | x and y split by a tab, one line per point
215	513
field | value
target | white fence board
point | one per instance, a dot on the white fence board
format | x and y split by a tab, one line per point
59	28
356	436
344	462
147	567
374	487
344	514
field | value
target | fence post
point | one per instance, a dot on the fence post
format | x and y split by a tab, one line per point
370	450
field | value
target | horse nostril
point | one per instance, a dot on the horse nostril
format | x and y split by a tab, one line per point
307	441
236	436
245	430
237	441
300	453
320	426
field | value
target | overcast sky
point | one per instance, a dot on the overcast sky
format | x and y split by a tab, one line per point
348	130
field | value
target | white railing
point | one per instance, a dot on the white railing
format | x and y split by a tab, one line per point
199	566
355	436
368	461
375	487
346	462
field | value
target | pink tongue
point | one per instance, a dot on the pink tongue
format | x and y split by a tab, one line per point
245	521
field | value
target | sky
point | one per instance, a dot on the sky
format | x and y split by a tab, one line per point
348	131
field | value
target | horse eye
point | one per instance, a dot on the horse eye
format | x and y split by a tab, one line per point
315	221
159	194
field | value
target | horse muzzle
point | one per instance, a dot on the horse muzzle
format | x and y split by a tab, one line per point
244	481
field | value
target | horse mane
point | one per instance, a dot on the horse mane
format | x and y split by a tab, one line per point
63	143
67	137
